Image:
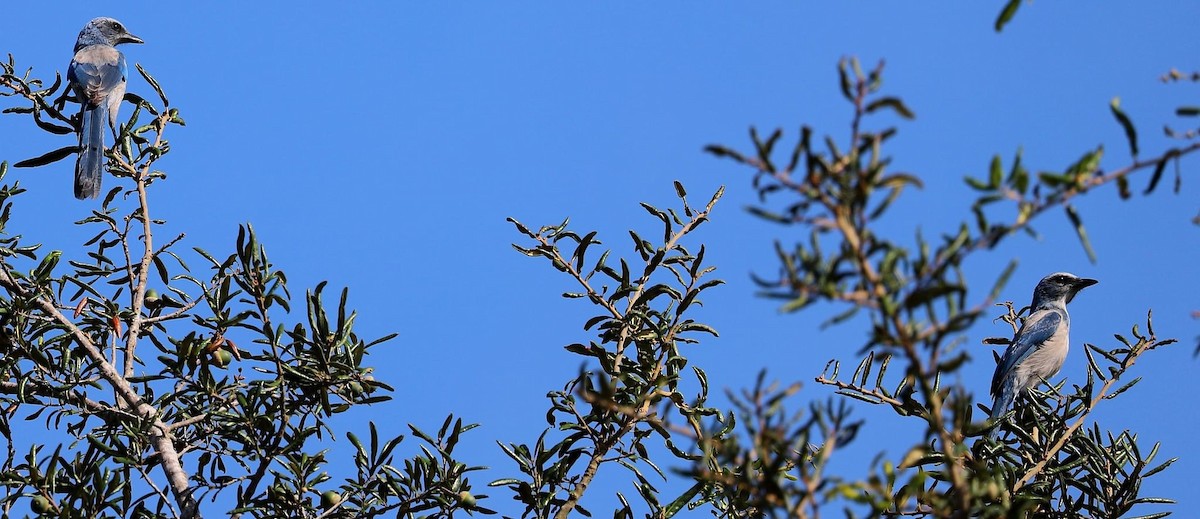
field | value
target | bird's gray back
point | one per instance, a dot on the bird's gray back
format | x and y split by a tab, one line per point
1040	344
1046	351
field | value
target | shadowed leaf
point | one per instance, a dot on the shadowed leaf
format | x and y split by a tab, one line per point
1006	15
1077	222
891	102
1126	124
153	83
48	158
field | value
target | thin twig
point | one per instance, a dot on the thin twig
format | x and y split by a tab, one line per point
162	495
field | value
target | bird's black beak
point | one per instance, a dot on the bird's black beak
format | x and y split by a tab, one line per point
1078	285
129	38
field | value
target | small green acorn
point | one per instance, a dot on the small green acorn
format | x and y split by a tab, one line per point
39	505
330	499
466	499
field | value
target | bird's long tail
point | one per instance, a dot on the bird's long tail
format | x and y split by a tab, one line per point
1000	406
89	168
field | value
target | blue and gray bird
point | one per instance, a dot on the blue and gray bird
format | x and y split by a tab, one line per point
1038	350
97	75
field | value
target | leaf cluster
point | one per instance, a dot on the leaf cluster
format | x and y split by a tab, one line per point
165	386
609	415
919	306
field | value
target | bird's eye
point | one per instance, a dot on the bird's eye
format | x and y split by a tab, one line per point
116	26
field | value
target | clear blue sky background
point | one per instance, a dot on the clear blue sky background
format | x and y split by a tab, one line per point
381	145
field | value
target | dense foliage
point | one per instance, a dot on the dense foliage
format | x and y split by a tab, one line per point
138	355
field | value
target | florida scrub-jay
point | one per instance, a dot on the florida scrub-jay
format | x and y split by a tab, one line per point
97	75
1038	350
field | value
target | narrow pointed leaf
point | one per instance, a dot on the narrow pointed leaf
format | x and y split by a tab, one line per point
1076	221
48	158
1126	124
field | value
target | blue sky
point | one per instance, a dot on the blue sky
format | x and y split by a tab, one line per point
381	145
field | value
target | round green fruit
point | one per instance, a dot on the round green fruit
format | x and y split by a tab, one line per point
330	499
39	505
221	358
466	499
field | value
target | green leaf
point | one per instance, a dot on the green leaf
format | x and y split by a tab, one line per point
844	81
1122	389
528	252
890	102
976	184
53	156
1095	368
1157	515
1053	179
769	216
997	173
721	151
1087	164
679	190
153	84
678	503
840	318
581	249
801	301
716	196
43	270
521	227
927	294
1076	221
51	127
586	351
700	328
1159	468
1002	280
1158	170
1006	15
1018	176
1126	124
175	118
765	147
1123	188
163	275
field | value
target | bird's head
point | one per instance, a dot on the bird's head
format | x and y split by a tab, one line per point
1059	286
105	30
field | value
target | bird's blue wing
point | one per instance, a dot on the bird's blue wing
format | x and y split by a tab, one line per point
1037	329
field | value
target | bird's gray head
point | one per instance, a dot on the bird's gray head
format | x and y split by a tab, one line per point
1059	286
105	31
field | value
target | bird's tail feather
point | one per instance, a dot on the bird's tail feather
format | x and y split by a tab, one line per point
89	168
1000	406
